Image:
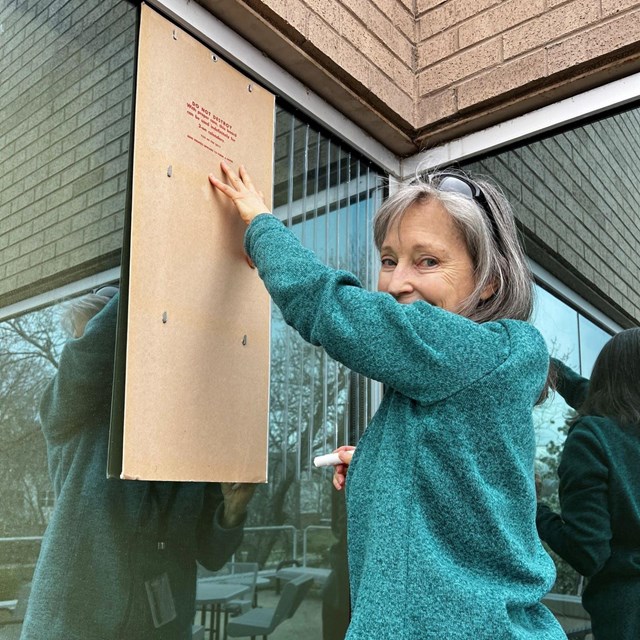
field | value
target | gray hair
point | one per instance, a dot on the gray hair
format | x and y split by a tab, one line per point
74	314
497	256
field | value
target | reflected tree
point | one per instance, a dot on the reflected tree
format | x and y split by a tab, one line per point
307	407
29	349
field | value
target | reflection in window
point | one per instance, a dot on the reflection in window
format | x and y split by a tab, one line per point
30	346
575	340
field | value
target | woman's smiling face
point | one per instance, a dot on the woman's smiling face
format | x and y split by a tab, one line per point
424	257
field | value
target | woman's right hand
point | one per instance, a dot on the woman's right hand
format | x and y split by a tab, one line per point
345	453
241	191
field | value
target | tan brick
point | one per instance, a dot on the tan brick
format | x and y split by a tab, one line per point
375	20
496	20
506	77
449	15
353	62
465	64
297	15
400	16
468	8
390	35
424	5
408	4
322	36
333	45
353	31
550	26
277	6
435	107
387	91
328	10
610	7
441	18
436	48
588	45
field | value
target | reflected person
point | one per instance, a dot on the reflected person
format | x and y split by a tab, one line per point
335	593
598	528
118	559
441	502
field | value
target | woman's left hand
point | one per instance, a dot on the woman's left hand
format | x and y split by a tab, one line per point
236	498
241	191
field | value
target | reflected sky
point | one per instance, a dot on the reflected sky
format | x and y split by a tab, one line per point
573	339
558	324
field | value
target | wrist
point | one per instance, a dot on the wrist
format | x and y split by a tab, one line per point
232	518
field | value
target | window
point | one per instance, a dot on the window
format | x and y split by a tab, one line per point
576	340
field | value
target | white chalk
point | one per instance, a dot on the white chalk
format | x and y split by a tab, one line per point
327	460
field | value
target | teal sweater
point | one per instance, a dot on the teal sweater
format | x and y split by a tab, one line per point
598	531
441	503
101	543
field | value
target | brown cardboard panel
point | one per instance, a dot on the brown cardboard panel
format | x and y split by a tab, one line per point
197	357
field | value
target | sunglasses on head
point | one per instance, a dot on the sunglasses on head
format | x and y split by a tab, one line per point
106	292
454	183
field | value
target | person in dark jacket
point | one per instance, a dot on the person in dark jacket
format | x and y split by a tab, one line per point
598	529
118	559
335	594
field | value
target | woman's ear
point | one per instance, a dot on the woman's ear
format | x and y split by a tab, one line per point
488	291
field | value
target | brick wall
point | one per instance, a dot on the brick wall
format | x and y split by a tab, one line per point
486	59
576	196
66	76
416	73
358	54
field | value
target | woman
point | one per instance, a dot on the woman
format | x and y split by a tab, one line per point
440	494
102	573
598	529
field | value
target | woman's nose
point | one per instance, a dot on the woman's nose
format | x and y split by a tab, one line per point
400	282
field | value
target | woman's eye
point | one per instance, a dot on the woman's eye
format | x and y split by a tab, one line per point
388	262
428	262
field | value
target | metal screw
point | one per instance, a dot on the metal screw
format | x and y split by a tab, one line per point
244	341
214	57
170	170
250	88
164	317
175	35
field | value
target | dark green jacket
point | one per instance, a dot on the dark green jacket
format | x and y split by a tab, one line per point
598	530
101	543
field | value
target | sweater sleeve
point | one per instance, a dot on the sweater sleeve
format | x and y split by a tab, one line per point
582	534
570	385
216	544
420	350
84	380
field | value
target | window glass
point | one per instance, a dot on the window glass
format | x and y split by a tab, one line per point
29	354
558	324
576	341
592	339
